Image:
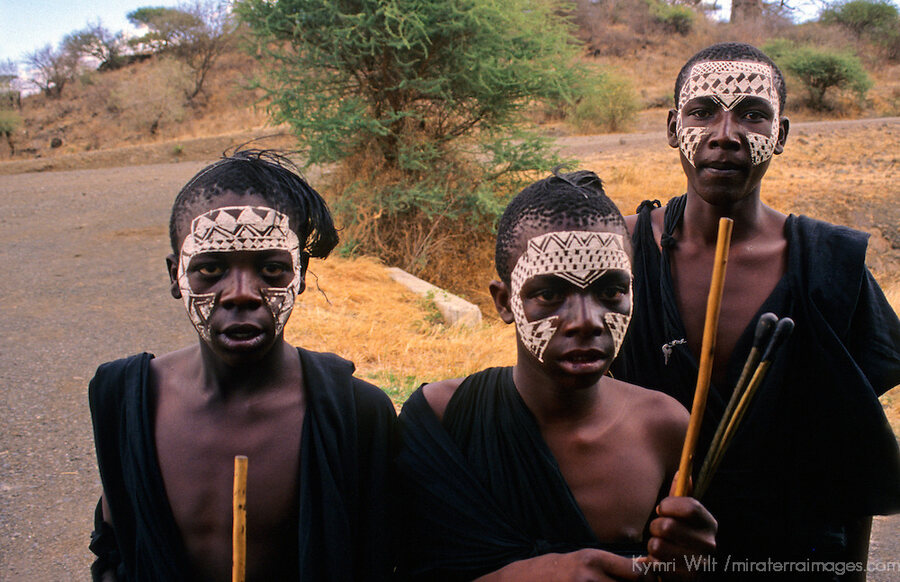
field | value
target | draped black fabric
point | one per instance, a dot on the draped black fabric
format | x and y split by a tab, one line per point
345	454
815	449
482	489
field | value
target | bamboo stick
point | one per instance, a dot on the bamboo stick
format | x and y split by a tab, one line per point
239	523
707	349
782	331
764	328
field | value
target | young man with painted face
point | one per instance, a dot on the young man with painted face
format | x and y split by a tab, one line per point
167	428
814	458
549	470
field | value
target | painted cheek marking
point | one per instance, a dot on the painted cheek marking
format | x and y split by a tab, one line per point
239	228
580	257
728	82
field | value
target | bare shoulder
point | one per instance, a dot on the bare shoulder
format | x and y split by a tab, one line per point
660	412
630	222
438	394
173	368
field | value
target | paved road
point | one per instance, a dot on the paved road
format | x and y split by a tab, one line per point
83	282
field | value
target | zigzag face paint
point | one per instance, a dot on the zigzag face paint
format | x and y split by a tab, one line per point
729	82
580	257
239	228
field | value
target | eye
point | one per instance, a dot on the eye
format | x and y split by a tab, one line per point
700	113
210	269
274	269
755	115
612	292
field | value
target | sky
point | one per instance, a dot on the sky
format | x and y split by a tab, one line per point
27	25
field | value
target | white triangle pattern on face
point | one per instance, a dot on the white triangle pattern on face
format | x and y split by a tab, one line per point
239	228
729	82
580	257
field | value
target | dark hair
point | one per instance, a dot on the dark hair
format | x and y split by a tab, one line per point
277	180
733	51
575	199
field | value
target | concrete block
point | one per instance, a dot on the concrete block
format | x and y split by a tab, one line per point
455	310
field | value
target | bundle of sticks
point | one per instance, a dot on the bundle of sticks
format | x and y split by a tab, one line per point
771	332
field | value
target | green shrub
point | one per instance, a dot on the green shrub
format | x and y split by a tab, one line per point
863	17
822	70
10	121
609	103
675	18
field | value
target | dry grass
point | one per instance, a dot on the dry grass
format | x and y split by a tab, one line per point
385	329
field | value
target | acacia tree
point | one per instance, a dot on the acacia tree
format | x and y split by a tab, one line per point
423	99
96	41
196	34
52	68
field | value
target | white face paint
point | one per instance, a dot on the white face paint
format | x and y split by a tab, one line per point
239	228
728	82
580	257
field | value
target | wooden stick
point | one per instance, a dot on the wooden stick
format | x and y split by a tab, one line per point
707	349
239	523
782	331
764	328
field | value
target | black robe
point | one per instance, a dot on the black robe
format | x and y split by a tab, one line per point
815	450
345	452
482	490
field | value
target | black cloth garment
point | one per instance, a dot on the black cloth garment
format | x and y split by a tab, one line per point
345	454
482	490
815	450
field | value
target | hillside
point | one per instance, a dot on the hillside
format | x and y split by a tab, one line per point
144	103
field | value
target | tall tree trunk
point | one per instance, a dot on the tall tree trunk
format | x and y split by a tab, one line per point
745	10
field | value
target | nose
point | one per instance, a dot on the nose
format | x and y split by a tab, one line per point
724	132
240	288
583	315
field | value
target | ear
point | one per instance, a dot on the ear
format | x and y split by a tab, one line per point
784	125
304	264
671	128
172	269
501	293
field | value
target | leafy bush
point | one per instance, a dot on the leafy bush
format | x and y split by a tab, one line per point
675	18
820	70
863	16
10	121
422	101
609	103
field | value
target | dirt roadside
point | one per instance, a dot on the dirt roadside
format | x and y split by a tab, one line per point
84	282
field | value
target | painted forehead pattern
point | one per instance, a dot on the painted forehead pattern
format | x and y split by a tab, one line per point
580	257
729	82
576	256
240	228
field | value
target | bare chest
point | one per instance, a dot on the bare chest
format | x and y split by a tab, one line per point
615	482
751	276
196	447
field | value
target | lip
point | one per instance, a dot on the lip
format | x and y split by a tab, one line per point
242	336
723	168
584	361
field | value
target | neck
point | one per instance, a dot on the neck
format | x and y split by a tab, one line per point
551	401
701	219
223	379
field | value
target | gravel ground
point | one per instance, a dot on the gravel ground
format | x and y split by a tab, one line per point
82	252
